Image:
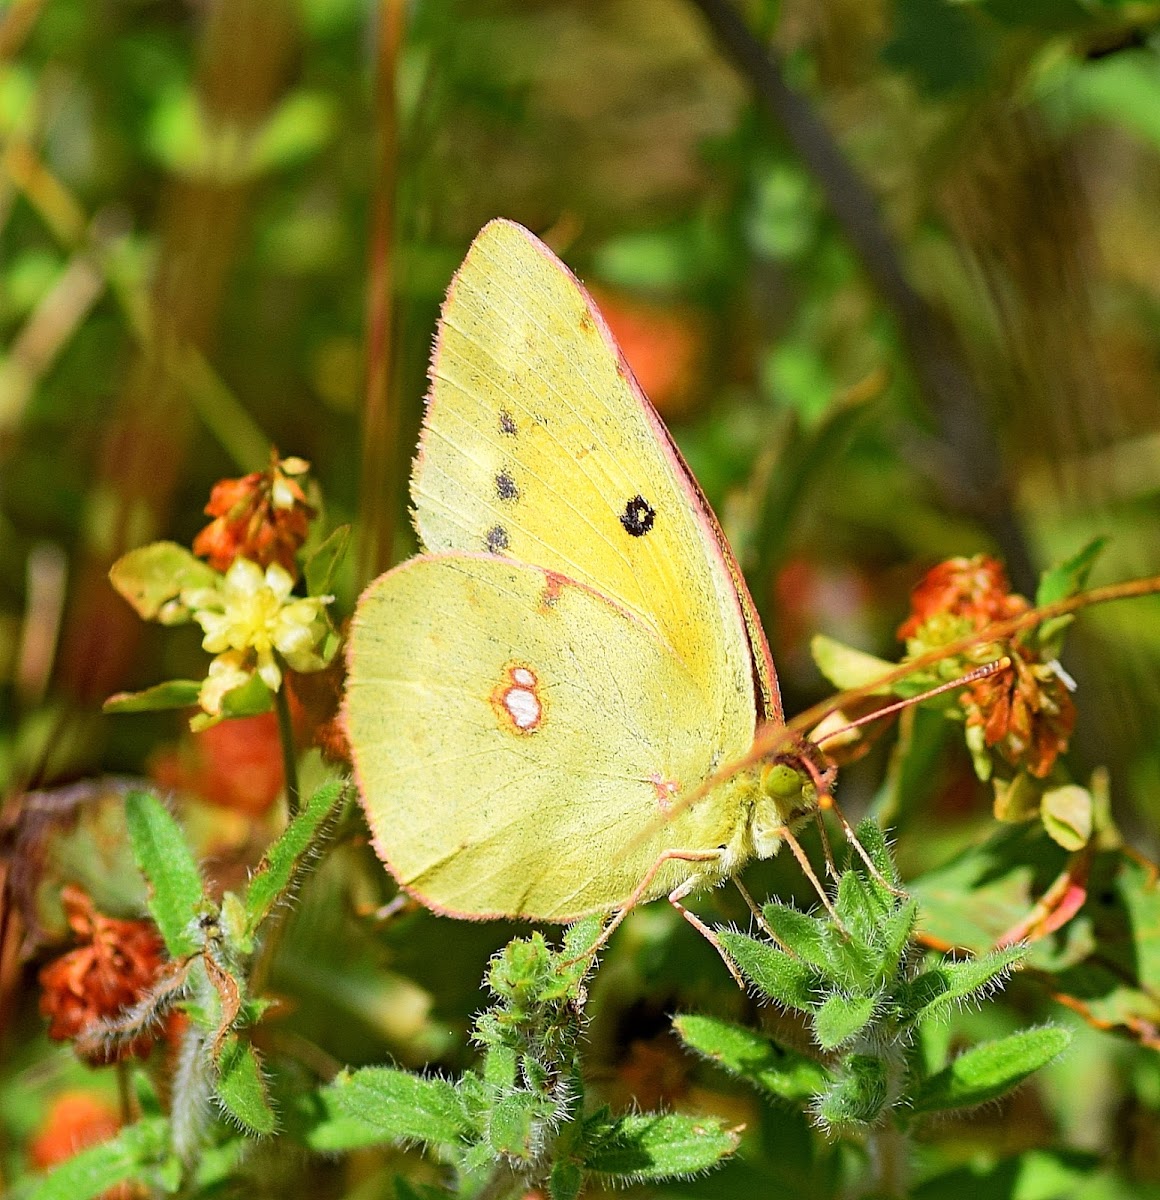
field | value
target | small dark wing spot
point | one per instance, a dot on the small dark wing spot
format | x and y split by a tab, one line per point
507	423
497	539
638	516
505	486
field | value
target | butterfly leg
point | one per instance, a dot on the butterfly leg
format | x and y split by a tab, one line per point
675	898
808	871
758	915
643	886
860	850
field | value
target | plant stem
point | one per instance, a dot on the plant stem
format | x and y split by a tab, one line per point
289	758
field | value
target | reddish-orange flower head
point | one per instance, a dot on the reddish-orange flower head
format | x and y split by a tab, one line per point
115	965
1026	713
957	596
263	517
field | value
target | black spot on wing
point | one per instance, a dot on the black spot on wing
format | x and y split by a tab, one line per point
507	423
505	486
638	516
497	539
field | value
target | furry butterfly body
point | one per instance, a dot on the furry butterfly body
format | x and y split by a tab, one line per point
576	649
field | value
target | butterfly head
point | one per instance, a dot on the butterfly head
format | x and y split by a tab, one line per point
792	787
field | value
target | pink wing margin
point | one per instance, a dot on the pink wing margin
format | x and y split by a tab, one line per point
765	686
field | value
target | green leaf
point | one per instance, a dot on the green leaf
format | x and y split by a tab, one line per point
241	1089
990	1070
804	936
660	1146
301	125
858	1094
252	698
1066	813
323	564
934	993
285	857
1071	575
151	576
177	693
841	1018
402	1106
162	853
787	980
846	667
753	1057
565	1181
134	1150
515	1123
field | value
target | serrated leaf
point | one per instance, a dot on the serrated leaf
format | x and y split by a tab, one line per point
134	1150
841	1018
1069	576
857	1095
752	1056
151	576
787	980
323	564
846	667
176	693
990	1070
284	858
241	1089
660	1145
806	937
951	984
1066	813
402	1106
164	857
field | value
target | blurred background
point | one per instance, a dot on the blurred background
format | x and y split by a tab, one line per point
895	288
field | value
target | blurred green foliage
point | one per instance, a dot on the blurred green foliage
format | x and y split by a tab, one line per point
230	223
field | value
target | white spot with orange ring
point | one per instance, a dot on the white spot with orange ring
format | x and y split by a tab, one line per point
517	699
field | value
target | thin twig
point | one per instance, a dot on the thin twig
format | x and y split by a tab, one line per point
289	756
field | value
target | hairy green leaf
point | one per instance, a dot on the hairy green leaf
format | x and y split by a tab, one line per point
841	1018
514	1123
660	1145
134	1150
787	980
241	1089
752	1056
990	1070
565	1181
806	937
858	1093
949	985
277	872
402	1106
162	853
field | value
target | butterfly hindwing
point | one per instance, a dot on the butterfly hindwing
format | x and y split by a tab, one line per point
517	736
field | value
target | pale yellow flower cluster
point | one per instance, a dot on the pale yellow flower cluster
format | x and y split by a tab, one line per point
248	616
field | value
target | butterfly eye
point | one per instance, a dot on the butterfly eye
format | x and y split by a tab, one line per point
638	516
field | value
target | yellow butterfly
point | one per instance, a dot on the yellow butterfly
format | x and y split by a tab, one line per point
576	650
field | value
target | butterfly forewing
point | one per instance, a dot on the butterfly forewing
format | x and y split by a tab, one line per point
538	446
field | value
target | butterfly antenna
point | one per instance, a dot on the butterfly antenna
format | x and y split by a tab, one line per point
991	668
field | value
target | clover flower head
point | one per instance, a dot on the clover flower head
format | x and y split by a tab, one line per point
248	618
